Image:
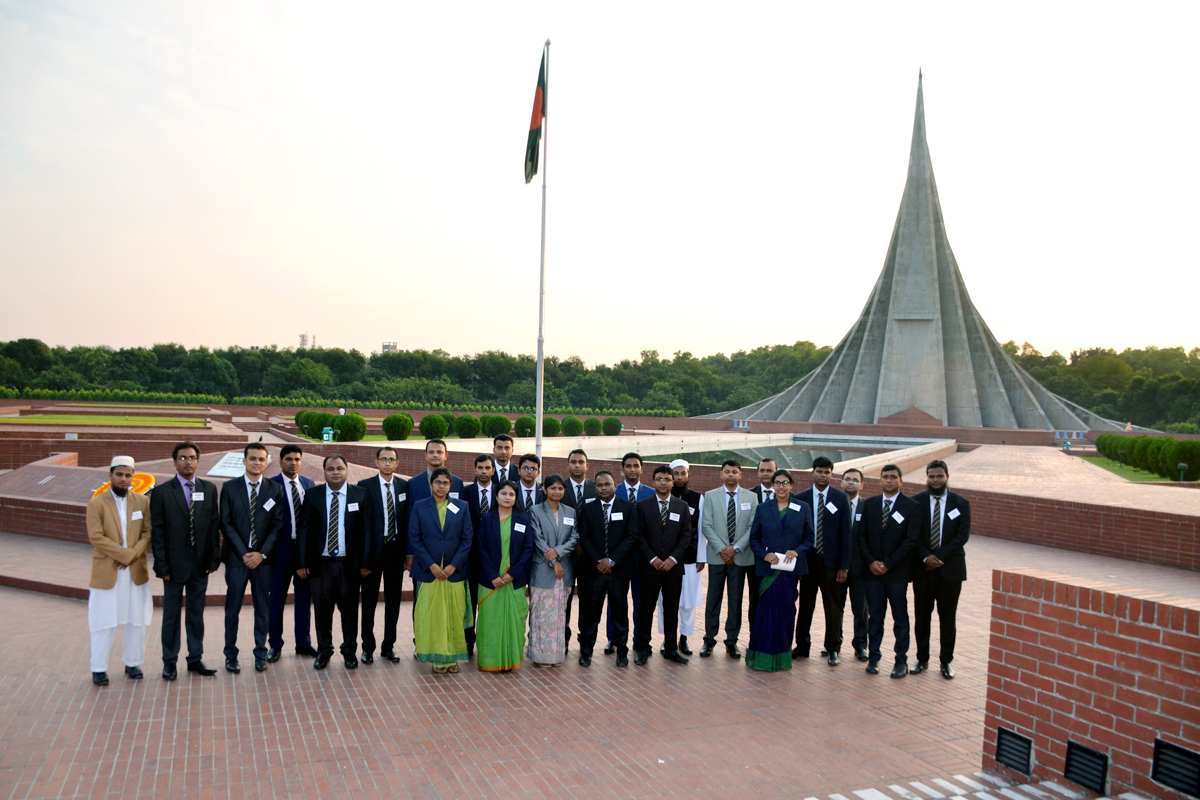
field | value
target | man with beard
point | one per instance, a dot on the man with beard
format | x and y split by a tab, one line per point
828	562
693	565
939	564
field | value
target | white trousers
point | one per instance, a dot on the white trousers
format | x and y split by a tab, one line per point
133	646
687	619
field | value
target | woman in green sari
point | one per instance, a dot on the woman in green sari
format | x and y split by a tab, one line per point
505	551
439	538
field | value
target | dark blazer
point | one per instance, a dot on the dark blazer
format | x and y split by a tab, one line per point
315	528
955	533
305	485
520	549
892	543
758	490
693	498
837	525
674	540
430	544
856	562
377	534
173	551
509	473
471	495
623	536
589	492
770	534
235	519
418	489
644	491
538	497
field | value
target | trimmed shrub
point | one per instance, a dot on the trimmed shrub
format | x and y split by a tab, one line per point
467	427
1183	451
551	426
524	426
449	417
1154	460
350	427
299	418
433	426
611	426
592	426
397	426
572	426
1141	449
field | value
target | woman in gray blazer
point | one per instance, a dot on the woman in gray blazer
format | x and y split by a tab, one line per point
552	574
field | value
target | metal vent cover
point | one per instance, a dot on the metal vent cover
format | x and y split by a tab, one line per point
1014	750
1086	767
1176	767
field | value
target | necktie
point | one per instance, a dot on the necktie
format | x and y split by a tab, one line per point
295	504
819	545
731	516
391	512
331	538
253	503
606	509
662	512
484	505
769	494
935	528
579	497
887	511
191	514
528	499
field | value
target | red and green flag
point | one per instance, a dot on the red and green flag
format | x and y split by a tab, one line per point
535	124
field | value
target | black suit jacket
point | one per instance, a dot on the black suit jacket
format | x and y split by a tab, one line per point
589	492
693	498
623	536
377	534
856	562
758	490
892	543
837	525
305	485
357	523
674	540
235	519
509	473
173	551
955	533
471	495
538	497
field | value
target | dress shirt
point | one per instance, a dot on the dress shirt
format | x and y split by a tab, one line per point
633	491
768	493
819	499
123	515
250	484
942	519
606	511
485	493
385	488
853	507
341	493
529	495
287	492
732	495
576	490
187	493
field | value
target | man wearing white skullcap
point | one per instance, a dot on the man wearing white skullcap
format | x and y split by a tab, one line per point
118	525
689	597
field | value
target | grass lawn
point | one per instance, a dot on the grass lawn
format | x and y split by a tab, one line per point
1127	472
132	405
99	419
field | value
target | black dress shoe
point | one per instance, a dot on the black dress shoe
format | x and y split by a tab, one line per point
622	661
585	661
732	651
824	654
642	657
322	661
199	668
134	673
306	650
873	667
799	653
390	655
862	655
609	649
273	655
947	671
100	678
900	670
230	666
683	646
920	667
351	662
170	672
368	658
833	660
706	650
677	657
260	665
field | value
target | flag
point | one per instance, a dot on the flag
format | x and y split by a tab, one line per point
535	124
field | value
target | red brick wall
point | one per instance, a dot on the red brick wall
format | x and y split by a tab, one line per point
1104	667
16	453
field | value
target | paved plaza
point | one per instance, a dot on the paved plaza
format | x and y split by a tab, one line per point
711	727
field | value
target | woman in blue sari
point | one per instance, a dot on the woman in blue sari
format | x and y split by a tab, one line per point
781	535
439	538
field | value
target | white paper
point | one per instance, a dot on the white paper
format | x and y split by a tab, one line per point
673	517
898	517
616	516
453	508
745	506
197	497
830	507
952	515
352	507
587	500
782	567
402	497
795	507
568	520
858	517
267	506
518	527
138	515
454	495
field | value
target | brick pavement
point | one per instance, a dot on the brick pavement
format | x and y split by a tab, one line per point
563	733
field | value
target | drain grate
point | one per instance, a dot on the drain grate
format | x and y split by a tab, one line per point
1014	750
1087	767
1176	767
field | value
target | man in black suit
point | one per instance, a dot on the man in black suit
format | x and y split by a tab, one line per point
503	467
608	530
334	554
852	481
287	559
252	523
666	538
481	498
579	490
939	563
388	543
886	537
186	541
529	491
765	490
828	563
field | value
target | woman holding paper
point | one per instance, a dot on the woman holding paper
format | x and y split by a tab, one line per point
505	550
554	537
780	536
439	538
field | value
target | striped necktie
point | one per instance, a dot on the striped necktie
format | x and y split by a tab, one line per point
887	510
528	499
391	512
253	503
331	538
819	545
579	497
731	516
935	528
662	512
484	505
606	510
191	514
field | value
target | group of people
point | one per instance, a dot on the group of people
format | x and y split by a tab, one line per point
497	564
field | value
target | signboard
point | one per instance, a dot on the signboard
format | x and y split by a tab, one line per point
142	483
230	466
71	436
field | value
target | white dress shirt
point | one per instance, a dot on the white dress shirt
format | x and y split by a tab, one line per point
341	493
287	492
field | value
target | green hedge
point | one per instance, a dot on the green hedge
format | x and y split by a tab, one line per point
433	426
524	426
1160	455
592	426
467	427
475	408
611	426
397	426
121	396
1182	451
350	427
572	426
550	426
495	424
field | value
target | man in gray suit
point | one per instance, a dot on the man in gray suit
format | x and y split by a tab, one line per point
726	527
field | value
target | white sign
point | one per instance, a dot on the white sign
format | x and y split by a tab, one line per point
230	466
71	436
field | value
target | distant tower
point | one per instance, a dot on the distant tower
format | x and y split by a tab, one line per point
314	341
389	347
304	341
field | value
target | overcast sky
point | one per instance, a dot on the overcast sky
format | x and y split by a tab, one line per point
720	176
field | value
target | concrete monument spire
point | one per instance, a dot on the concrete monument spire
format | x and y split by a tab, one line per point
920	353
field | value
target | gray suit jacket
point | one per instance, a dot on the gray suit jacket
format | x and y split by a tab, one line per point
715	529
549	531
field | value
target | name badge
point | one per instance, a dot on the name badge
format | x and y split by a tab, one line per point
898	517
858	517
352	507
831	508
745	506
519	528
138	515
454	495
197	497
402	497
693	511
589	500
673	517
794	506
568	520
617	516
952	515
267	506
453	508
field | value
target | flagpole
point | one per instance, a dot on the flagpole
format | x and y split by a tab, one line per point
541	376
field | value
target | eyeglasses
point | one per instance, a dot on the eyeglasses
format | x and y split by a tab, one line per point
386	460
781	483
529	469
187	458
